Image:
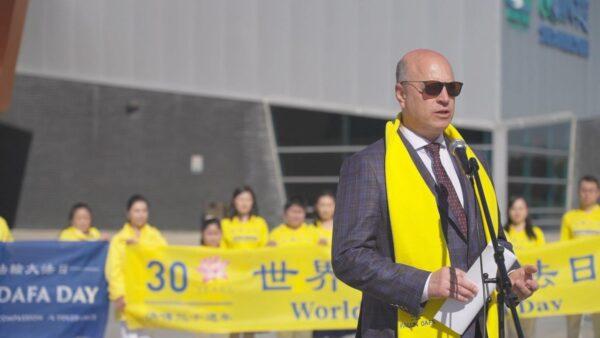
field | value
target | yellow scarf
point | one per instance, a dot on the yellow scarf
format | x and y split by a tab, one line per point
425	249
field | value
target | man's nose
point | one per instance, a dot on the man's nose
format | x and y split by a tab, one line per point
443	98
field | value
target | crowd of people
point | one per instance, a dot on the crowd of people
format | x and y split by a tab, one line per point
244	228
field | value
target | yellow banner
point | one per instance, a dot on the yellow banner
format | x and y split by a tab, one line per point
293	288
220	291
567	276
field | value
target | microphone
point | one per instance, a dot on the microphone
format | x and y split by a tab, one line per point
458	148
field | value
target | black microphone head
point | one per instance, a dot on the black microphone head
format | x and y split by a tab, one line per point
457	144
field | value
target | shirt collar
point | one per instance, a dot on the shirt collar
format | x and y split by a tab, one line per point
417	141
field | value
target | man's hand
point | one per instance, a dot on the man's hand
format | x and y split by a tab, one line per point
449	282
523	284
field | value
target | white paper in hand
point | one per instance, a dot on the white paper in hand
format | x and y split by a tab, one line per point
457	315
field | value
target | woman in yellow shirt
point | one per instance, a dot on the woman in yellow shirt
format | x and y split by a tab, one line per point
244	229
211	234
522	234
5	235
324	210
80	225
135	231
211	237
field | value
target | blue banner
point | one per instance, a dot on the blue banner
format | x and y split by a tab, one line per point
53	289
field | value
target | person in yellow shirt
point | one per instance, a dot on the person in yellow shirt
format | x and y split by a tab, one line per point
244	229
5	235
80	225
523	235
211	237
580	223
294	230
211	234
135	231
324	210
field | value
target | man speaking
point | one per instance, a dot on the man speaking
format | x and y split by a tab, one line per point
407	224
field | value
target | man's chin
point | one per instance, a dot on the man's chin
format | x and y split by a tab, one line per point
442	125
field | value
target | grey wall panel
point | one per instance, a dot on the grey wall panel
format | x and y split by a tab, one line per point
339	53
86	147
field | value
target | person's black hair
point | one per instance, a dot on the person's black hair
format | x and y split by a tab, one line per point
589	178
295	200
205	224
136	198
77	206
74	208
236	193
325	193
528	224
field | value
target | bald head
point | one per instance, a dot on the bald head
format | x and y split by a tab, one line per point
419	62
425	112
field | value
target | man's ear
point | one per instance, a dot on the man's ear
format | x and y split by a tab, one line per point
401	95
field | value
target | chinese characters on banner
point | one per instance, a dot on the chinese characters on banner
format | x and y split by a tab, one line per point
207	290
294	288
567	276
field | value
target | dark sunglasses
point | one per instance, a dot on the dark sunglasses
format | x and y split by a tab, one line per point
434	88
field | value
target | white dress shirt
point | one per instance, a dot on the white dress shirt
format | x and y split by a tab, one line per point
418	143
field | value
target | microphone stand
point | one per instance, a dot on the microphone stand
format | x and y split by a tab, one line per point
505	294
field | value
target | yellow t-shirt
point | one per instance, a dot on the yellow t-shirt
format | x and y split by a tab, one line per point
148	235
324	233
220	247
521	241
254	233
578	223
5	235
75	235
284	235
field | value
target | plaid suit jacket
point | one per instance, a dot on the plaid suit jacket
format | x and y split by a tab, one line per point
363	252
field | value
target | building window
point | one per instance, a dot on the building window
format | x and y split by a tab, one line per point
312	146
481	142
538	161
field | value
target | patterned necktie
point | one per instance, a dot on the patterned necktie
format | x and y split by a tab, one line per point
446	186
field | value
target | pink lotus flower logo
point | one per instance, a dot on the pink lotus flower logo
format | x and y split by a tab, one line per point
213	268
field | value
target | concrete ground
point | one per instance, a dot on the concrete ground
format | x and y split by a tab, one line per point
553	327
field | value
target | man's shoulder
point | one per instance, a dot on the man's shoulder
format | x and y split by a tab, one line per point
373	152
367	159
